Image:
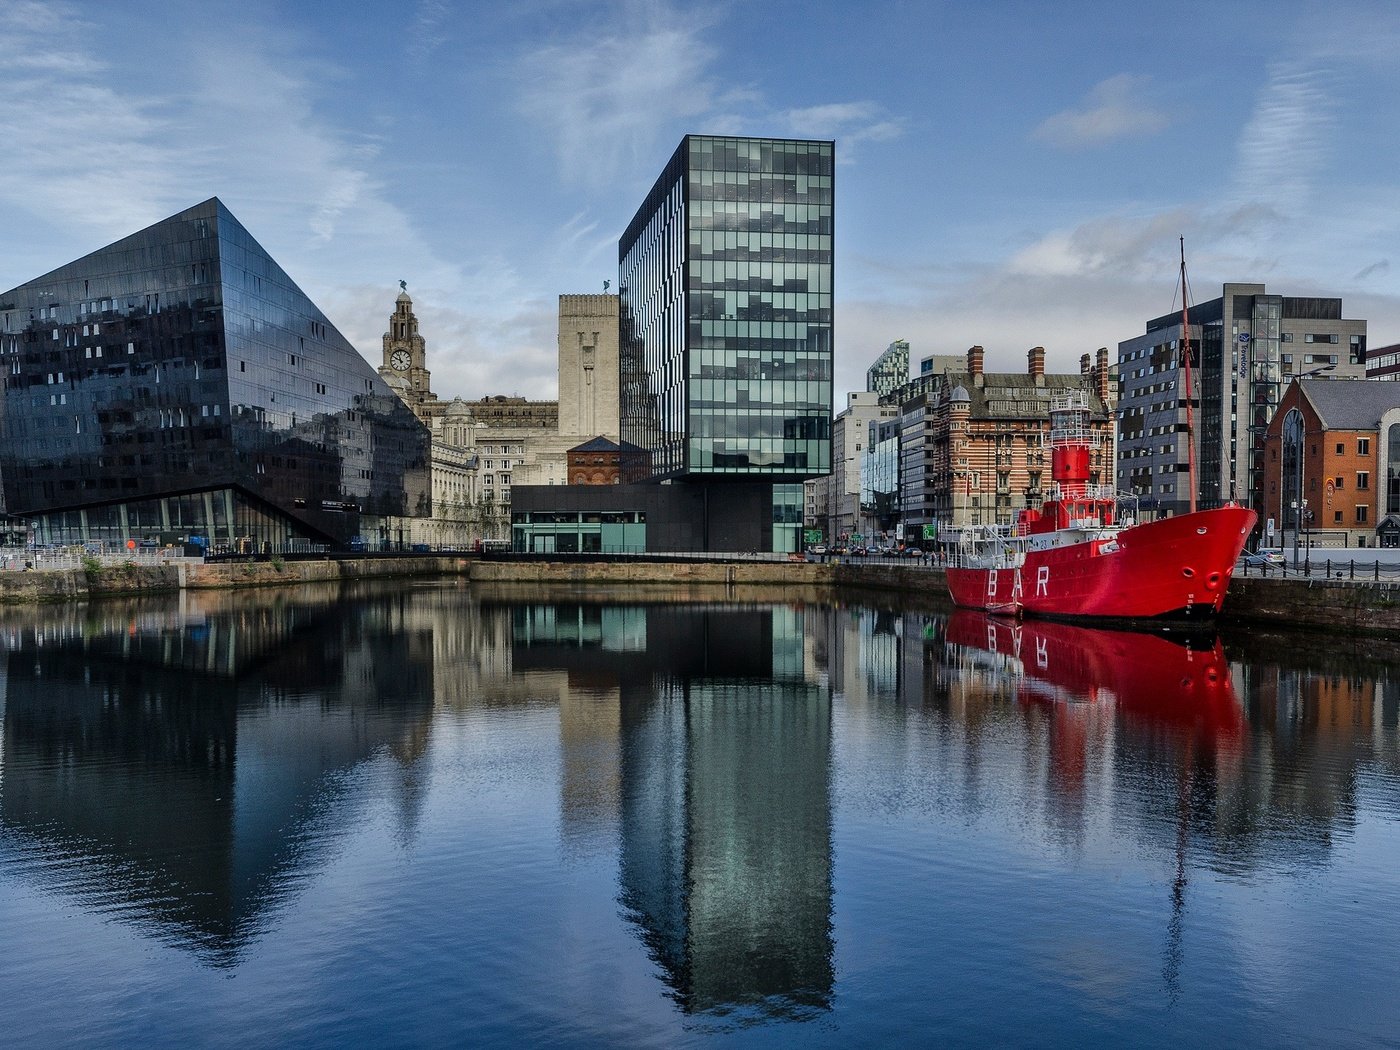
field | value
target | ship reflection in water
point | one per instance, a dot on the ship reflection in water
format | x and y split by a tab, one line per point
1176	677
1172	691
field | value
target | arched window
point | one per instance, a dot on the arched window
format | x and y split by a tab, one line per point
1392	480
1292	474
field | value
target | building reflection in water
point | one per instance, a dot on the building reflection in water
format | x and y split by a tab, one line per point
723	793
181	765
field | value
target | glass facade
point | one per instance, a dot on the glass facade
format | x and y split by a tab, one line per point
178	385
890	370
725	277
579	532
879	477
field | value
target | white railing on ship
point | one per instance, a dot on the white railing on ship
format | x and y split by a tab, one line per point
1095	492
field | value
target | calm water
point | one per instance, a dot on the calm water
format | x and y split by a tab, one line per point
432	816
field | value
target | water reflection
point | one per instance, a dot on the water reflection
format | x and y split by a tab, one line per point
1012	801
723	793
178	765
1165	700
1153	733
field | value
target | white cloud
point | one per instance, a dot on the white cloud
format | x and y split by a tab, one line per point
851	123
79	150
1123	245
425	32
606	95
1285	143
1111	111
98	152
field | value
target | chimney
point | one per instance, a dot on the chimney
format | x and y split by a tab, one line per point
1101	374
974	364
1035	358
1084	364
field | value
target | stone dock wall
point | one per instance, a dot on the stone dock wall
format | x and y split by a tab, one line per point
1334	604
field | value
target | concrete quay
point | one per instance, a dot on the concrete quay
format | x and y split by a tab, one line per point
1346	605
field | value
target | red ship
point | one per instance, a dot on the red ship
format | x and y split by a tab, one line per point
1083	554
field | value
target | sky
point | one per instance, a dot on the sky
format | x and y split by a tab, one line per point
1009	174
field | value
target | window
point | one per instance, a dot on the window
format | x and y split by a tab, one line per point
1337	483
1341	449
1363	479
1361	511
1336	517
1363	446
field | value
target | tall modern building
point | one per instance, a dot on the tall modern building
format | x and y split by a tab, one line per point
1246	346
890	370
178	385
725	278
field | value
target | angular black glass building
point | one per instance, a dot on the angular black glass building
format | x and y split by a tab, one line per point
178	385
725	279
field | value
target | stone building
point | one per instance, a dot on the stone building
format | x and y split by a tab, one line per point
985	452
476	445
405	360
833	501
588	366
483	448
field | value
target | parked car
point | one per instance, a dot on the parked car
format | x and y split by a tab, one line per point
913	552
1264	559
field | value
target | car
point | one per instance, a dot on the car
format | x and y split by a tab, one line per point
1263	559
819	549
913	552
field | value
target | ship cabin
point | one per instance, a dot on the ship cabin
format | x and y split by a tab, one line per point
1072	513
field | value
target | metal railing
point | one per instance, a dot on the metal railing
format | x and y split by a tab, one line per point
1353	569
77	556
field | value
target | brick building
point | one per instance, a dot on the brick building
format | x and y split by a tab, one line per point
985	454
1329	463
603	461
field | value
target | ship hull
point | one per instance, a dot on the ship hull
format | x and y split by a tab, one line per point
1173	568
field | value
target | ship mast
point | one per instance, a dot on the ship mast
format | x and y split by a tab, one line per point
1186	365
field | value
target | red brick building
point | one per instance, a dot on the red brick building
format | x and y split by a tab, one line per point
602	461
1324	464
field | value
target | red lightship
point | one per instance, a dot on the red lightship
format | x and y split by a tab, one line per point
1083	554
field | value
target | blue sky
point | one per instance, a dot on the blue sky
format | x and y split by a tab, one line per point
1010	174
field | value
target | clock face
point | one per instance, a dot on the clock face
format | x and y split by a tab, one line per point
399	359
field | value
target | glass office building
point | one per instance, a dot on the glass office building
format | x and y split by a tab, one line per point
178	385
725	275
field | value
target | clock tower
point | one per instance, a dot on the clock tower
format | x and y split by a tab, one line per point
405	356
